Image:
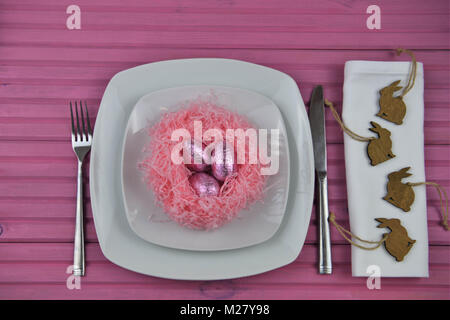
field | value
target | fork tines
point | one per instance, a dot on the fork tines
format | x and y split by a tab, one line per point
83	132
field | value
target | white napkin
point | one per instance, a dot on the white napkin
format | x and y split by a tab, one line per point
366	184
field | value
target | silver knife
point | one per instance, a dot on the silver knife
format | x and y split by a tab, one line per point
317	122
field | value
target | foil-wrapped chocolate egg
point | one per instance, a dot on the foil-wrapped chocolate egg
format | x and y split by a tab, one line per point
195	150
204	184
223	164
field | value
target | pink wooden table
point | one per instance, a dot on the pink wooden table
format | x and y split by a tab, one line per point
43	65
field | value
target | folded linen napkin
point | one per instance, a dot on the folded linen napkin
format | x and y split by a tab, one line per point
366	184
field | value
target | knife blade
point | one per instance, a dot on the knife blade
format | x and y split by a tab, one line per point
317	123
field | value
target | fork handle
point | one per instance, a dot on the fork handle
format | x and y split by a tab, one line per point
78	252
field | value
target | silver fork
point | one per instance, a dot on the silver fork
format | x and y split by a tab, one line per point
81	144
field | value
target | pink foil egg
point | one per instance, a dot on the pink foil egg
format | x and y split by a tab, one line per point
223	165
196	151
204	184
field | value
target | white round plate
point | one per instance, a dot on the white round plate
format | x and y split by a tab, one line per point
253	225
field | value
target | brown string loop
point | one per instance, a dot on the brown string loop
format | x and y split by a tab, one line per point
441	191
355	136
344	232
412	75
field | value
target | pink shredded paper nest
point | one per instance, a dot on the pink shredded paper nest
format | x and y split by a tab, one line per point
169	181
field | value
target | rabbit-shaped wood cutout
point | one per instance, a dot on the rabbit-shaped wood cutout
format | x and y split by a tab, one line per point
379	150
392	108
397	243
400	194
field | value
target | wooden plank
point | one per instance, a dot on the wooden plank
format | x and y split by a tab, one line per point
217	21
437	130
279	58
44	230
220	290
64	168
293	29
18	74
11	188
62	252
435	155
16	261
85	91
57	256
180	38
62	230
65	208
30	111
212	6
293	274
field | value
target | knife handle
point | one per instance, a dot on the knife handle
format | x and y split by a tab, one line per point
325	265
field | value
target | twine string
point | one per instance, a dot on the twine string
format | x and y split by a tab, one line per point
441	191
344	128
412	74
344	232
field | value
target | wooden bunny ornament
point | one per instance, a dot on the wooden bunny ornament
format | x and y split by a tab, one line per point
379	150
397	243
392	108
400	194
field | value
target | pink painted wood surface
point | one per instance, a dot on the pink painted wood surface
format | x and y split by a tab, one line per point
43	65
299	279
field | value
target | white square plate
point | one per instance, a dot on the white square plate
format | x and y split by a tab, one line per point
148	220
117	240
